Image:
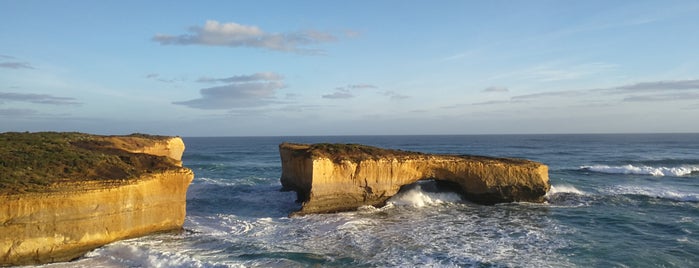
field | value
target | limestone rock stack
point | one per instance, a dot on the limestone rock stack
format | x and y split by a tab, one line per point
341	177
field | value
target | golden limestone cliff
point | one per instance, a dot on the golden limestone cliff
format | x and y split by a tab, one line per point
63	194
341	177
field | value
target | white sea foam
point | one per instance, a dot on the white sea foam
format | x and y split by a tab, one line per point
643	170
555	189
416	197
132	254
658	192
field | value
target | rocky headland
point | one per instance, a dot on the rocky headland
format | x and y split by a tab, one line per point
63	194
342	177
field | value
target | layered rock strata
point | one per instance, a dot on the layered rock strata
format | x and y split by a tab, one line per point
341	177
139	189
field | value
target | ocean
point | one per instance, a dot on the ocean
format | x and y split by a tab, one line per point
623	200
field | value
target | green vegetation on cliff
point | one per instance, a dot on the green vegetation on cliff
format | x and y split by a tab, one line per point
39	162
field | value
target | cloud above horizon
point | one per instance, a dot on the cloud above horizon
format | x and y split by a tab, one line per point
496	89
654	91
16	65
38	98
346	92
243	91
266	76
395	95
232	34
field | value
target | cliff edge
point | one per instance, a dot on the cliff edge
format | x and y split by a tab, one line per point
341	177
63	194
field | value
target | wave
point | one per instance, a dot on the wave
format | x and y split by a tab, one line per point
643	170
556	189
567	196
656	192
416	197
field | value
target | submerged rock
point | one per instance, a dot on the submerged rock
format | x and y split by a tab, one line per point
63	194
341	177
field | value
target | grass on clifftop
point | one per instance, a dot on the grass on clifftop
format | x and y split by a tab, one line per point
338	151
38	162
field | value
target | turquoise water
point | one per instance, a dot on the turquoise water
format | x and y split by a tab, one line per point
616	201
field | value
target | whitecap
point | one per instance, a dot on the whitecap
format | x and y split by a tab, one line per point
643	170
657	192
556	189
416	197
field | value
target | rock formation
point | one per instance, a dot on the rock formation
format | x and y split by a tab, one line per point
341	177
83	191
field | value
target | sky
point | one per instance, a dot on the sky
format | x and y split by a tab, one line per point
286	68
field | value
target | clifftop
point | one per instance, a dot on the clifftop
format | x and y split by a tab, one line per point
358	152
45	161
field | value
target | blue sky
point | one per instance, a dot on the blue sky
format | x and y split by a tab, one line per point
241	68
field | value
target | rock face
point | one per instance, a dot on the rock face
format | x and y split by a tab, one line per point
69	217
341	177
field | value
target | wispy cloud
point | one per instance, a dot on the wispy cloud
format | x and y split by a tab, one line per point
340	93
395	96
348	91
232	34
38	98
12	63
361	86
566	93
157	77
654	91
268	76
554	71
657	86
16	65
496	89
244	91
664	97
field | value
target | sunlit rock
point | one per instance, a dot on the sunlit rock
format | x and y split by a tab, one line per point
342	177
63	194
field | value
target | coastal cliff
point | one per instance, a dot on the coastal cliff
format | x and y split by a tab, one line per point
341	177
63	194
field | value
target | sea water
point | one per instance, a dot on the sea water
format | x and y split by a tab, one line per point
615	201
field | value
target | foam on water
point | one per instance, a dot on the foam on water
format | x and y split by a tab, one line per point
416	197
565	195
556	189
656	192
643	170
133	253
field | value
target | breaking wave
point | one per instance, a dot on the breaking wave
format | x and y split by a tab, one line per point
643	170
416	197
656	192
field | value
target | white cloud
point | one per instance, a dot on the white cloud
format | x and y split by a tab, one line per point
232	34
